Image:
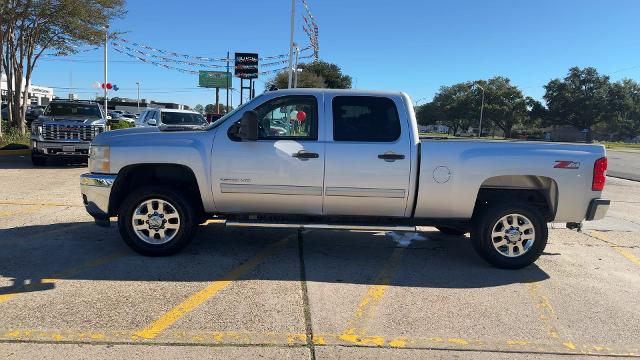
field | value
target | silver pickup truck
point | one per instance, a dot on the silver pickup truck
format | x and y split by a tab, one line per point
339	159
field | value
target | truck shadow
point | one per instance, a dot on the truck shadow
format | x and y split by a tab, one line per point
36	258
24	162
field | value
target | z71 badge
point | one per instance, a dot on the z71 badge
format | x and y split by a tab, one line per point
567	164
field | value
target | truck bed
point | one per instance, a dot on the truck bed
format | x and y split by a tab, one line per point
452	172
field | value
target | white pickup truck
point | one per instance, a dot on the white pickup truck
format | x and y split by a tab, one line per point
339	159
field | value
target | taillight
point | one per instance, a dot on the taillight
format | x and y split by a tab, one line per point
599	174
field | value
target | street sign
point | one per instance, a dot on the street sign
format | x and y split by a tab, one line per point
246	65
214	79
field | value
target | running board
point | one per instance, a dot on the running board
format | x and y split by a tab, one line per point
303	226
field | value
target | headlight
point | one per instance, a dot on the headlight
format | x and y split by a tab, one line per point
36	128
99	159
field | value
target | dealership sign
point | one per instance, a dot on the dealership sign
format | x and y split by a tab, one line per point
246	65
214	79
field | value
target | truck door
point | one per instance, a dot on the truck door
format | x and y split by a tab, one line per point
367	170
282	172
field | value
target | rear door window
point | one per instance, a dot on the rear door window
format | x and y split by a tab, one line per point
365	119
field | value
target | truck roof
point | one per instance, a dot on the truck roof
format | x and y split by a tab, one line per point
344	92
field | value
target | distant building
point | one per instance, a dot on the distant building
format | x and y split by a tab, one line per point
440	129
131	105
38	95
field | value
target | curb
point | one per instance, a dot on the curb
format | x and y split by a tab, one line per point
15	152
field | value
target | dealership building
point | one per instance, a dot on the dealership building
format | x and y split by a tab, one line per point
38	95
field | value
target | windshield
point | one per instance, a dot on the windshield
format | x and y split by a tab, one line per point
219	122
180	118
75	110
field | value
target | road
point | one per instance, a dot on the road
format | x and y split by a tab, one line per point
624	164
69	289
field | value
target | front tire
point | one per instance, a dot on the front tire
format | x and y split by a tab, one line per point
38	160
157	221
510	236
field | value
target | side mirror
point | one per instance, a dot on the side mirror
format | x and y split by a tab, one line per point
248	130
152	122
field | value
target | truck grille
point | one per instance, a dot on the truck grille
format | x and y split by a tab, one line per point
70	132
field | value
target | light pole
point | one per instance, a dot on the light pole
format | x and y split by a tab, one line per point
138	86
481	109
291	45
106	40
295	69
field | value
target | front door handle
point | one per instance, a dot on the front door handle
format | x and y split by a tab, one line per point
391	157
303	154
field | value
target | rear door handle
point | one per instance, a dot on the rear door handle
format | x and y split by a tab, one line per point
303	154
391	157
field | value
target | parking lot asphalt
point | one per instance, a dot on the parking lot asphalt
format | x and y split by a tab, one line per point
624	164
70	289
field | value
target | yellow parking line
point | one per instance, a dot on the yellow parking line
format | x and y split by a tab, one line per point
38	203
547	314
356	328
203	295
27	210
619	249
224	338
61	275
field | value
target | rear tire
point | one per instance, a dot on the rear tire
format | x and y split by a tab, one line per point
157	221
451	231
38	160
510	236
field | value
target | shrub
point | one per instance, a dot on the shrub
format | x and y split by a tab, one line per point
121	124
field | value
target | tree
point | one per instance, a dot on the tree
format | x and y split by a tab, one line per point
30	27
318	74
429	114
211	109
505	105
582	99
306	79
199	108
455	105
625	105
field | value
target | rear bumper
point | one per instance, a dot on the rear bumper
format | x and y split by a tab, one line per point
597	209
96	190
60	147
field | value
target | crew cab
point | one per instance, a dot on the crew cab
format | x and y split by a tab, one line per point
341	159
65	128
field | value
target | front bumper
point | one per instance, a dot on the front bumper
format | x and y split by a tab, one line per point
597	209
60	147
96	190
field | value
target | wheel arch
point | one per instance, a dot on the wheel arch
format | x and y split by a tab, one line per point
176	176
539	191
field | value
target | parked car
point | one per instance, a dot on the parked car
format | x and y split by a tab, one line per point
170	117
4	110
66	128
353	161
33	111
129	117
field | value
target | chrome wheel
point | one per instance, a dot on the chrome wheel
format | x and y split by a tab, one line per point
513	235
156	221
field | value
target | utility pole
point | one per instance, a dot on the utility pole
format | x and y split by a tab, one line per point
217	100
295	69
481	108
291	45
138	86
106	40
228	78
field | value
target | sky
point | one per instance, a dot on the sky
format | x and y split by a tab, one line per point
414	46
